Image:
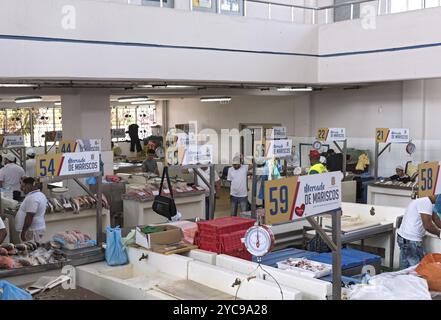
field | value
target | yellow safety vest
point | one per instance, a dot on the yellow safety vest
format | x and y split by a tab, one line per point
319	167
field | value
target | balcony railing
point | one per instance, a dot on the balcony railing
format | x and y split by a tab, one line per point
285	10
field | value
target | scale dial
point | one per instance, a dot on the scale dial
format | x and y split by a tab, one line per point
259	240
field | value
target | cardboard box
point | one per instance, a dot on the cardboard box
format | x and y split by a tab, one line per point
171	236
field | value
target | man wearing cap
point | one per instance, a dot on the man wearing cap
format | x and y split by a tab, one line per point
29	220
11	174
238	176
316	166
400	175
420	217
3	232
30	163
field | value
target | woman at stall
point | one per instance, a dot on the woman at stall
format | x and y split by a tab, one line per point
29	221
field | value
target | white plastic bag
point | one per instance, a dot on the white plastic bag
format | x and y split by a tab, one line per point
392	287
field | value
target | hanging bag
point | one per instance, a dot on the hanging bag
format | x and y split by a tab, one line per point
116	253
162	205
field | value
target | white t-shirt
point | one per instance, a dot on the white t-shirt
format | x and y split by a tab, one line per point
412	226
30	167
11	175
2	224
206	175
239	179
35	202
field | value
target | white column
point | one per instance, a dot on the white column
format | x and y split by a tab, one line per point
86	115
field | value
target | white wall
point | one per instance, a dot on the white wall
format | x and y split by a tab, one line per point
409	104
122	23
389	31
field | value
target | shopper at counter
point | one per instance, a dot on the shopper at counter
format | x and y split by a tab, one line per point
316	166
29	221
30	163
238	177
150	165
3	232
419	218
11	174
400	175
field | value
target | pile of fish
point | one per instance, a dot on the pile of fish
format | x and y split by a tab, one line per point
29	253
149	191
73	237
75	204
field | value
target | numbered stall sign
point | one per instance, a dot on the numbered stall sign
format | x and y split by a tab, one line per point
12	141
67	146
279	199
275	133
300	197
392	135
54	165
428	179
331	134
278	148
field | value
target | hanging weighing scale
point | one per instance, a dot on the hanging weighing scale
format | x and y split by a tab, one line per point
259	240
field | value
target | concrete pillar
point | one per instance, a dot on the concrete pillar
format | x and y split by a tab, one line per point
86	115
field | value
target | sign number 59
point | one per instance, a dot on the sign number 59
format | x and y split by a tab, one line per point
278	196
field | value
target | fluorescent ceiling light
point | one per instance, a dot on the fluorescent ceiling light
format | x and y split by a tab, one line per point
287	89
28	99
145	86
175	86
216	99
16	85
144	102
58	103
133	99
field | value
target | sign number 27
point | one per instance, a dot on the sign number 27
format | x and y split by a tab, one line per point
278	196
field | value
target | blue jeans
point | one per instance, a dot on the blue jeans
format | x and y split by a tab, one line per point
238	201
411	252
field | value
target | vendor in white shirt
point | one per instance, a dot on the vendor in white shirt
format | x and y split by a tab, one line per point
238	176
3	232
11	174
206	174
30	163
418	219
29	221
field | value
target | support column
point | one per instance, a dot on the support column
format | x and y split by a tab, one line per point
86	115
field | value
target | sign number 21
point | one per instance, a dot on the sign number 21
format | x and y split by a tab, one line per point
276	196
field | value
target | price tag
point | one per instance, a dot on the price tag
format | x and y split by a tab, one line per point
279	199
67	146
392	135
428	176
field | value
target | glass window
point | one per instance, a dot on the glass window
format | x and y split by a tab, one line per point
157	3
398	6
205	5
432	3
143	116
344	12
414	4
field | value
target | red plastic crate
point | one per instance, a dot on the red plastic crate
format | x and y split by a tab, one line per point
232	241
225	225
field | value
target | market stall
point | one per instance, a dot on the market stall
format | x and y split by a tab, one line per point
384	191
189	198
